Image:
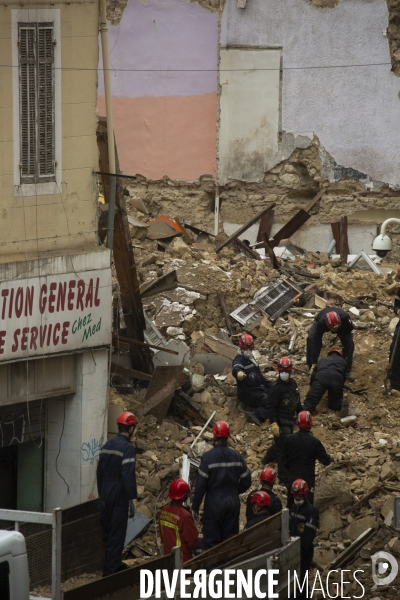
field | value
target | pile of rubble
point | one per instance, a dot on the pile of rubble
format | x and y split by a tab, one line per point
356	492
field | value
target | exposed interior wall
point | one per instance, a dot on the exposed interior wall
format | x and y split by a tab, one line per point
165	89
67	219
75	437
249	112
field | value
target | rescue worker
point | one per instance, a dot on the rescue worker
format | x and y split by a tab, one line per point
252	386
268	479
176	523
328	375
116	484
303	523
337	321
222	476
300	452
283	405
394	375
260	503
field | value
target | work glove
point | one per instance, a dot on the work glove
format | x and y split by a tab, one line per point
131	509
241	375
275	430
312	369
195	516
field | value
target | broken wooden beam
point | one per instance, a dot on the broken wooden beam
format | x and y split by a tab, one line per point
185	234
225	311
344	241
131	341
128	373
165	283
269	251
246	249
244	227
266	224
347	554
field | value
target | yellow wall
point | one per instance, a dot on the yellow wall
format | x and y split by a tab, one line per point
65	221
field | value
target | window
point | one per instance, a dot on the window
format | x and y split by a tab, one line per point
36	80
36	44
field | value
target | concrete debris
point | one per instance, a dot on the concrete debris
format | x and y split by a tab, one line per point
366	454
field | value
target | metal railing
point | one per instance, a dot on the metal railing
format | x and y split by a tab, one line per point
54	520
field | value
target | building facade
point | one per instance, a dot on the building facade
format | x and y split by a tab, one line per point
305	93
55	279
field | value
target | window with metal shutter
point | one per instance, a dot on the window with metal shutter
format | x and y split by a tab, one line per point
36	65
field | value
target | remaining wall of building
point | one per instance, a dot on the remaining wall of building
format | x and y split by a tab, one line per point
76	430
65	218
164	89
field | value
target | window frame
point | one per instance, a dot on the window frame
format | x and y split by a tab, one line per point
48	184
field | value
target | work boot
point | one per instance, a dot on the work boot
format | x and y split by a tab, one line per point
344	411
252	417
349	377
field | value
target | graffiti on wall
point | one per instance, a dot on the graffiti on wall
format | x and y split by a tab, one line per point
12	429
91	450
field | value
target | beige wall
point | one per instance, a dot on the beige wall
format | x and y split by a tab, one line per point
33	224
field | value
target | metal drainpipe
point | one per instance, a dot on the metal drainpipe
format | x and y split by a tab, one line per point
110	123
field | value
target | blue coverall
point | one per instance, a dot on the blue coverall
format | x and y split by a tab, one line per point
303	523
317	330
394	375
116	484
222	476
252	390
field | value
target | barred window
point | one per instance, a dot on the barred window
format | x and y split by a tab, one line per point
36	100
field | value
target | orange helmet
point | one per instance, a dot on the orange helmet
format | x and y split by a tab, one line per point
336	350
220	429
127	418
299	487
332	320
246	341
268	475
304	420
285	364
261	498
179	490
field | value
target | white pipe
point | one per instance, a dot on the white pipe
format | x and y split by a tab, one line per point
388	222
110	121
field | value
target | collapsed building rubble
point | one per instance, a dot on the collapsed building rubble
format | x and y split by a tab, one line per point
355	493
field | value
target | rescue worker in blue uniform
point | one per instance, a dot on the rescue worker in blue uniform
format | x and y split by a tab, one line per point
394	375
252	386
260	504
300	453
222	476
303	523
329	375
282	408
337	321
116	484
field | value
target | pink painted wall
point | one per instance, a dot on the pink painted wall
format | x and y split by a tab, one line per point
164	57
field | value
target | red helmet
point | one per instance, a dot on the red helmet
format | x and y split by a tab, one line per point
304	420
332	320
268	475
246	341
127	418
179	490
285	364
337	350
220	429
299	487
261	498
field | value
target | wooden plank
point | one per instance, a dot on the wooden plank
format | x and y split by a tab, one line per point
336	235
244	227
246	249
79	511
344	242
124	260
185	234
225	312
269	250
349	553
315	199
274	542
128	373
118	581
247	540
291	227
266	224
160	348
